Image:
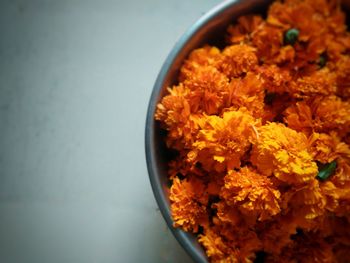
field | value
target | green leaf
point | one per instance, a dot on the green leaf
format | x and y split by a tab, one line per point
327	170
291	36
322	61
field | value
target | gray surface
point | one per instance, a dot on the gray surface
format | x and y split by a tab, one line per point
75	79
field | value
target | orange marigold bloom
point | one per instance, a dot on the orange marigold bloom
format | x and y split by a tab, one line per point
206	78
295	14
331	113
343	76
275	79
188	203
240	240
341	180
208	87
299	117
223	141
286	54
228	213
306	202
326	148
205	56
342	176
243	239
174	112
247	92
321	82
252	193
238	59
217	250
319	22
282	152
241	31
322	114
330	191
268	40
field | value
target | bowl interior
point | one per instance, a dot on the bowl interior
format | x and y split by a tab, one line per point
209	29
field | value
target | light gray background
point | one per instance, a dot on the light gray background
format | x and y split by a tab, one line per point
75	79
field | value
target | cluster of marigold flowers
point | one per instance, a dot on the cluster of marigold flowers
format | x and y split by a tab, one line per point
261	131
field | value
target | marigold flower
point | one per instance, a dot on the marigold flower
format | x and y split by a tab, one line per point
326	148
331	113
228	213
223	141
282	152
174	112
245	26
322	114
238	59
216	248
205	56
188	203
295	14
208	87
268	40
299	117
275	79
343	76
330	191
306	201
321	82
247	92
252	193
240	242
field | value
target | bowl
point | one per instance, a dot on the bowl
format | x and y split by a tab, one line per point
209	29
